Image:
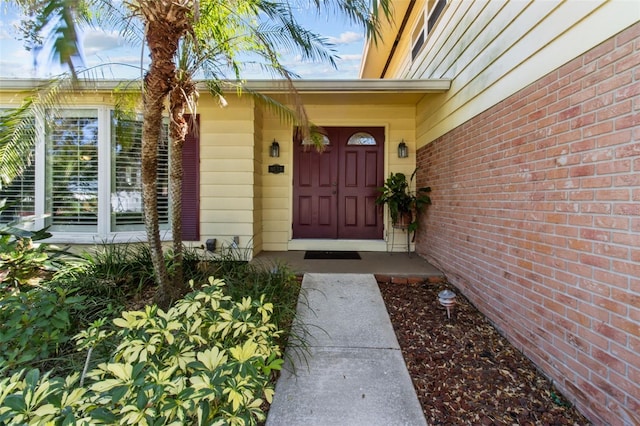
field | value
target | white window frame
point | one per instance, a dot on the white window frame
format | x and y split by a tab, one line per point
419	32
422	29
109	218
103	229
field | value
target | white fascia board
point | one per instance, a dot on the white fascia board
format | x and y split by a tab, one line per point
352	86
19	84
273	86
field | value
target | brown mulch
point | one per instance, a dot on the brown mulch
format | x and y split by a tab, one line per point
463	370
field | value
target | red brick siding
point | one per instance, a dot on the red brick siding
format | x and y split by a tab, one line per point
536	218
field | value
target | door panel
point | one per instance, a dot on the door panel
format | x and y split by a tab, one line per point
371	217
305	209
315	203
361	171
326	207
334	191
350	211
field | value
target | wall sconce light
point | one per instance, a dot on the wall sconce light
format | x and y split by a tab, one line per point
403	150
274	151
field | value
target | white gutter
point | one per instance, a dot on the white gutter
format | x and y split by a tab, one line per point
266	86
352	86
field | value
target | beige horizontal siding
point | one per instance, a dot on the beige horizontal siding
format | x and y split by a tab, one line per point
218	204
492	49
13	99
231	191
227	192
229	177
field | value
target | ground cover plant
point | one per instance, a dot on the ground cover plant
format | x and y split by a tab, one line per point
36	319
463	370
85	345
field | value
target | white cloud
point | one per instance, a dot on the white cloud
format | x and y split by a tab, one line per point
15	61
9	22
347	37
349	57
348	66
16	69
98	40
101	47
116	57
5	33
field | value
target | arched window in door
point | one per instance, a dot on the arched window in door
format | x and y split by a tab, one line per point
361	138
310	141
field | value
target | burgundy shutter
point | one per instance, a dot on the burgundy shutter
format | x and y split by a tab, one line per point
191	182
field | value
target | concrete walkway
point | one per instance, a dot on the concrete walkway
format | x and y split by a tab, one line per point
352	372
377	263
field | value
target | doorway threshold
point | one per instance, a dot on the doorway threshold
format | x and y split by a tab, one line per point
337	245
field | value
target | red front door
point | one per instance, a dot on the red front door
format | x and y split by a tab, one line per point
334	191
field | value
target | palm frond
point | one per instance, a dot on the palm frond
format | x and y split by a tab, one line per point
361	12
17	139
116	16
52	26
17	127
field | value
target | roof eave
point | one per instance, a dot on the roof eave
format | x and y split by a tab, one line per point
352	86
270	86
376	53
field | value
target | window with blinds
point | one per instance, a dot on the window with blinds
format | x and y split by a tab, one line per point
19	195
72	171
126	176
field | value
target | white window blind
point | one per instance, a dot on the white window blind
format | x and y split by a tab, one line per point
126	177
72	170
19	196
20	193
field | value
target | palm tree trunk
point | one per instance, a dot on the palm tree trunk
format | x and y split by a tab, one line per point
167	21
175	191
178	129
153	107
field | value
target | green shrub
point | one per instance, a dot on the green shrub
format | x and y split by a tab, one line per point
275	281
36	319
207	360
34	324
119	269
23	263
28	398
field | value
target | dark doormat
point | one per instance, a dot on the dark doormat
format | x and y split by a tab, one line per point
332	255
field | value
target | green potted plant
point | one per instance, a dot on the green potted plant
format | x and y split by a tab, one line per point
404	204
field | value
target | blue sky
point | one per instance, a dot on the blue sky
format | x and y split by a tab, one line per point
102	46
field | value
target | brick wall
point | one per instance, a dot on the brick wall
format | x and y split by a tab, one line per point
536	219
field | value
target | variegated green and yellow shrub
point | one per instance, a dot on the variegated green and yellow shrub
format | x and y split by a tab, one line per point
207	360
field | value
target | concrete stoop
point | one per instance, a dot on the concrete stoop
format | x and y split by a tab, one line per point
352	371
